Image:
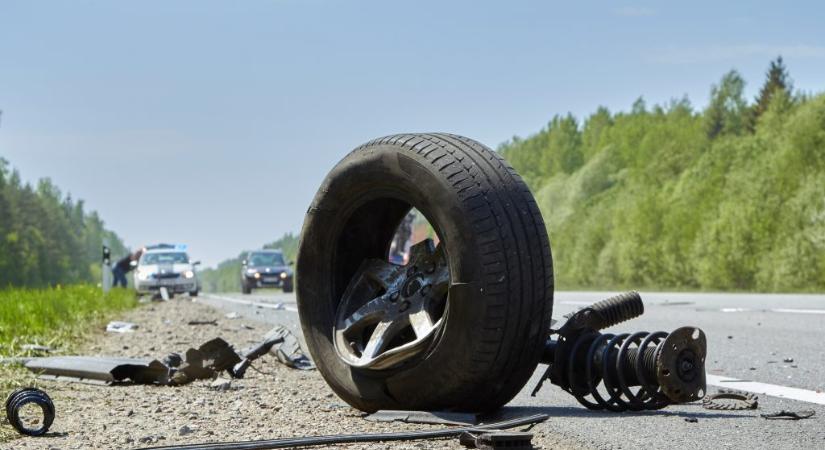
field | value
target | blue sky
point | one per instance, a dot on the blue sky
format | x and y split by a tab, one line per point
213	123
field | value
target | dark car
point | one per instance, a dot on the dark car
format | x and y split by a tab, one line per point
265	268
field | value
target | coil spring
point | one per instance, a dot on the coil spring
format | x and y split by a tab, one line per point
617	371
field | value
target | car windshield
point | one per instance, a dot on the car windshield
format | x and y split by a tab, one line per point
266	259
164	258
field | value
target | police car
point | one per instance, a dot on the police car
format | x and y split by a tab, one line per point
166	266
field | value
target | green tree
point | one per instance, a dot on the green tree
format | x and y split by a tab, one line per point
776	80
727	110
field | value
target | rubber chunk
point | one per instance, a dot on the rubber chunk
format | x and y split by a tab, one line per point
25	396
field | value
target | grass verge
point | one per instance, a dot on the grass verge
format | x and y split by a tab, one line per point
58	317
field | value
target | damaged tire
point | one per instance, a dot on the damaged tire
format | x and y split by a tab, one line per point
459	327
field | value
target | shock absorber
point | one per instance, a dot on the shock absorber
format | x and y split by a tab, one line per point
626	371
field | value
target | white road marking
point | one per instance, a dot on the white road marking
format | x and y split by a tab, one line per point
252	303
799	311
775	310
772	390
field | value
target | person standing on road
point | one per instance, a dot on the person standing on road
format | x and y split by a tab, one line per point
124	266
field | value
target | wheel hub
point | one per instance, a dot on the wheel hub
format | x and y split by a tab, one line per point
389	313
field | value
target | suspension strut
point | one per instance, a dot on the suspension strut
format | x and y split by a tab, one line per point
638	371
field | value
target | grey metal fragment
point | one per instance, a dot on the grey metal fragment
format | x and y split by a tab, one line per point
83	368
289	352
221	384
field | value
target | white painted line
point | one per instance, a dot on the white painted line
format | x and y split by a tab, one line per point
774	310
730	310
773	390
799	311
251	303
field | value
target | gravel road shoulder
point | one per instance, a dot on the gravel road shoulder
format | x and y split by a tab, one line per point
275	402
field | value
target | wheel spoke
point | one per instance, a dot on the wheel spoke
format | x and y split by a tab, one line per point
383	334
379	271
373	309
421	323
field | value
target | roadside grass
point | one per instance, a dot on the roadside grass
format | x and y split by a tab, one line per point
58	317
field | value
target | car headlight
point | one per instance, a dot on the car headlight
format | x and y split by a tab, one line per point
251	271
257	275
283	275
143	276
189	274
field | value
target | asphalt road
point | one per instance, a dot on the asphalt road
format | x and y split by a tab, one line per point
749	338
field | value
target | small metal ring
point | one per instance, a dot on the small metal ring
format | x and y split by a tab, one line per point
22	397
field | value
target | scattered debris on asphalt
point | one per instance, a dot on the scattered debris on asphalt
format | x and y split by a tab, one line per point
15	403
788	360
232	315
730	400
789	415
494	440
423	417
206	361
691	420
121	327
492	431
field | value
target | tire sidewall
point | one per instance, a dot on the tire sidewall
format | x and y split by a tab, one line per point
435	381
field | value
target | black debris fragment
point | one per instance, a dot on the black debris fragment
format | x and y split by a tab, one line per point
494	440
788	360
203	322
789	415
691	420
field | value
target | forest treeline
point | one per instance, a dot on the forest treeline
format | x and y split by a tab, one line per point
227	276
731	197
47	238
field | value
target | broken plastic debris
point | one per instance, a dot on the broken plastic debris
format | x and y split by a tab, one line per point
121	327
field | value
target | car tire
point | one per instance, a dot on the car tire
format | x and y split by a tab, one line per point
288	286
194	293
500	297
245	288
